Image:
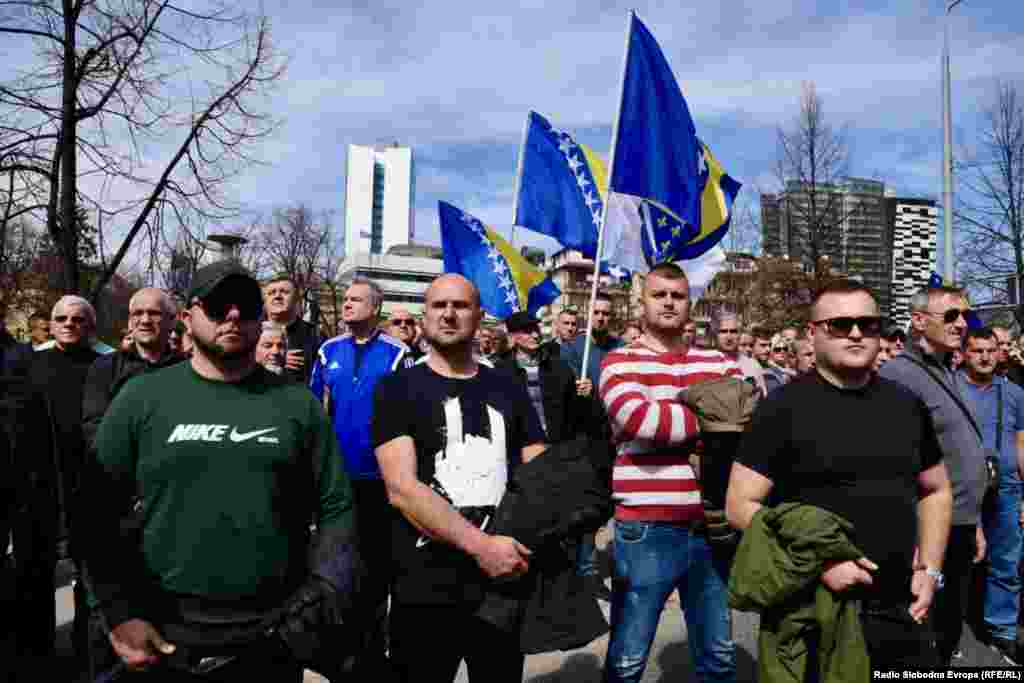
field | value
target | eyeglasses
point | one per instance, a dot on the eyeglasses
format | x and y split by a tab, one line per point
952	315
75	319
217	308
406	322
728	331
841	327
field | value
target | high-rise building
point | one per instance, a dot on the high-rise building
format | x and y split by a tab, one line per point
861	237
914	226
379	198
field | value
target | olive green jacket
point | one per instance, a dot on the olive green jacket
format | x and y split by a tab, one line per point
777	572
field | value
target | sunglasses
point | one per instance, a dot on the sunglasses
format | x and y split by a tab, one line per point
75	319
407	322
217	307
952	315
869	326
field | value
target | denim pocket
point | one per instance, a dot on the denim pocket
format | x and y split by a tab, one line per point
631	532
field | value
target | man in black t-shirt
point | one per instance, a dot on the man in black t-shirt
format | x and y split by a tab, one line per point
448	433
862	447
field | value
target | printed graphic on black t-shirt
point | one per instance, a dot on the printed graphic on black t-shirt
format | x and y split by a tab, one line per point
469	435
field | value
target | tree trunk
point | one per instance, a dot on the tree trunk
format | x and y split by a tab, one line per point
68	245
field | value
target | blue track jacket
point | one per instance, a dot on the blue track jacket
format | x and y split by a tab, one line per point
351	393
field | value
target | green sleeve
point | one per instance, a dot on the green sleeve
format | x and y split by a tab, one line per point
334	558
113	534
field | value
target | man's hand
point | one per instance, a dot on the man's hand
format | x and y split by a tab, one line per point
139	644
981	546
840	576
295	360
923	588
502	557
584	387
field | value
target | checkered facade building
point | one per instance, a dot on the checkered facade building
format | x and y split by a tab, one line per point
914	223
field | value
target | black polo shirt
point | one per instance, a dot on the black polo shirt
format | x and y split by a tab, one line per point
854	452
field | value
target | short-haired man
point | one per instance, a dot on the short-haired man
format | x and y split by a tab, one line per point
999	406
151	314
727	336
804	353
765	344
1006	367
91	341
631	333
938	322
658	498
566	326
807	444
39	329
448	433
486	345
282	302
402	326
746	343
49	452
231	464
175	340
689	333
347	371
272	347
601	344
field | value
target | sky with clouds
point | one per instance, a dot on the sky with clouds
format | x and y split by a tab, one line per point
456	79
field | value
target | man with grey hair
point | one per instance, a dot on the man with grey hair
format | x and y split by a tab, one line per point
48	451
348	369
93	343
272	348
151	314
727	336
938	327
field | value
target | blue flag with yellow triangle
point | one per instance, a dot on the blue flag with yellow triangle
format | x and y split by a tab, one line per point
508	283
666	179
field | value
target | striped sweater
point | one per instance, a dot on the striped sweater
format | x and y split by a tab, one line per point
653	431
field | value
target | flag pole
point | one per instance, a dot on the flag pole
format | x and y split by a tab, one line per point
519	180
607	200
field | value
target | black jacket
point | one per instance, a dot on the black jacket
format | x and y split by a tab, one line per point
550	501
106	377
47	436
565	412
303	336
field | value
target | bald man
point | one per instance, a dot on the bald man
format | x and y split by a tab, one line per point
151	313
447	433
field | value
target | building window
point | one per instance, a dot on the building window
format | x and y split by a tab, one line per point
377	215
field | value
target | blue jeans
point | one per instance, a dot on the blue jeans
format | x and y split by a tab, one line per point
586	550
1002	583
651	560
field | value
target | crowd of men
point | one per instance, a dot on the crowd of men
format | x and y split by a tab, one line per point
238	496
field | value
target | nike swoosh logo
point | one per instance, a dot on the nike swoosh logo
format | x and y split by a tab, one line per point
237	436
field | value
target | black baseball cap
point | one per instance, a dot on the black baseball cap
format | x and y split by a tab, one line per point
210	277
244	289
521	322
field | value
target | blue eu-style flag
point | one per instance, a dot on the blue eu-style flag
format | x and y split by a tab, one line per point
508	283
561	189
685	196
935	280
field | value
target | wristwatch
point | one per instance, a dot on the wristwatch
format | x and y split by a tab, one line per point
940	580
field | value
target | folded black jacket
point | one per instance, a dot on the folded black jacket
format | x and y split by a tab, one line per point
548	504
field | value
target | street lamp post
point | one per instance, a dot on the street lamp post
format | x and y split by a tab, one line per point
947	153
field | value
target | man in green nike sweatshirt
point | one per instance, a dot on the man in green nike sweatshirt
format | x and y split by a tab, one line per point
209	577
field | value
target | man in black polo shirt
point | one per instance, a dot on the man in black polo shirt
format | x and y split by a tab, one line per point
844	440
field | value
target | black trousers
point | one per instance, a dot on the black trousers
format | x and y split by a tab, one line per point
373	528
950	606
428	643
268	666
895	640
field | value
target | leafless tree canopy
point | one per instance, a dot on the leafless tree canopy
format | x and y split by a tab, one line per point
147	101
812	159
990	195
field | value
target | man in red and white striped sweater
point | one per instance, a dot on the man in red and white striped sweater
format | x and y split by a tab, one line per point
658	498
